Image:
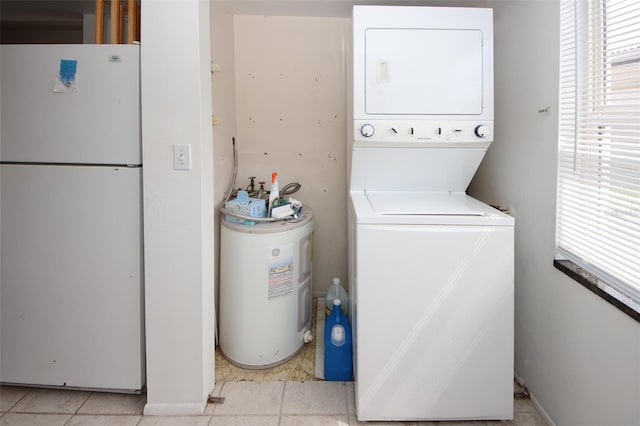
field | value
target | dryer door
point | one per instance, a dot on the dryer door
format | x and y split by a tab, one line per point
437	71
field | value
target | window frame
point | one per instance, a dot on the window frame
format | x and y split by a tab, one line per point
571	255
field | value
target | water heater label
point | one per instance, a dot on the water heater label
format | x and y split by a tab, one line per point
280	271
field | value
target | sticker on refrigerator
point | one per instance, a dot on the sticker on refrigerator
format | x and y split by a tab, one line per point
281	271
67	76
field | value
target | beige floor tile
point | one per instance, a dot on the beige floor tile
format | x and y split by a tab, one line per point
245	421
250	398
51	401
9	395
113	403
351	398
528	419
218	387
322	398
314	421
353	421
208	410
21	419
103	420
523	405
174	421
465	423
522	419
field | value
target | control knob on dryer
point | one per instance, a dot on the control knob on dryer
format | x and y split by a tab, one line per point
367	130
481	130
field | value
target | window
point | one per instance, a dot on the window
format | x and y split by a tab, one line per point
598	209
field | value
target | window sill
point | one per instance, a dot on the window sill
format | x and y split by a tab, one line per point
597	286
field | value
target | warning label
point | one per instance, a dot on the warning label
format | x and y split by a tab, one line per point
281	272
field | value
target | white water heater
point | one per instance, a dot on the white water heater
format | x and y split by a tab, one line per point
265	290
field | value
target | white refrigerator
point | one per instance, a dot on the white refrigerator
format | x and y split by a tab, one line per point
71	272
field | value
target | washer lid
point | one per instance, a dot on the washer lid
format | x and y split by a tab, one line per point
421	203
424	208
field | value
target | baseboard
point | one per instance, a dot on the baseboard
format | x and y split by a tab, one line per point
518	378
174	409
534	401
540	409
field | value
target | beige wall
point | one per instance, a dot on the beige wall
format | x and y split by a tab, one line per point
290	118
288	105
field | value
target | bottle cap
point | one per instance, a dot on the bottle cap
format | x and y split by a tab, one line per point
274	177
337	302
336	281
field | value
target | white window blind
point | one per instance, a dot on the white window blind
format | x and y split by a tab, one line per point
598	209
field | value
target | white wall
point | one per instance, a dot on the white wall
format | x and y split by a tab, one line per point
178	206
224	108
577	354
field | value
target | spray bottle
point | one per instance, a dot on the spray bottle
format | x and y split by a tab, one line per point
274	192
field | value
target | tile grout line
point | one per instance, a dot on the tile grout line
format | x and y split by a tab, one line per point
346	402
72	415
69	419
215	407
284	390
83	402
18	401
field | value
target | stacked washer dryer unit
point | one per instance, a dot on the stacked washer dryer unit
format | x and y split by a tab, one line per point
431	268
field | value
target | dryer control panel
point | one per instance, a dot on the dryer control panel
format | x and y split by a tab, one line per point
429	132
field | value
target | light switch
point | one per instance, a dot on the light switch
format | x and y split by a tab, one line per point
182	156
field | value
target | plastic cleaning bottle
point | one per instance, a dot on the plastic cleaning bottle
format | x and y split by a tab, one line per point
336	291
337	346
273	192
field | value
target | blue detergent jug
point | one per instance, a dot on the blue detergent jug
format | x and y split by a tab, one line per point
337	345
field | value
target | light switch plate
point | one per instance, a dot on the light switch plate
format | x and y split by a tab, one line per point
182	157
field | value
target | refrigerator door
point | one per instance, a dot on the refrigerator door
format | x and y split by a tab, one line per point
93	121
71	276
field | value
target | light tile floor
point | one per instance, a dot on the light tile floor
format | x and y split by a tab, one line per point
286	395
247	403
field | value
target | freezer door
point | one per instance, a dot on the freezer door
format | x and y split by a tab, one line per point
71	277
94	121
